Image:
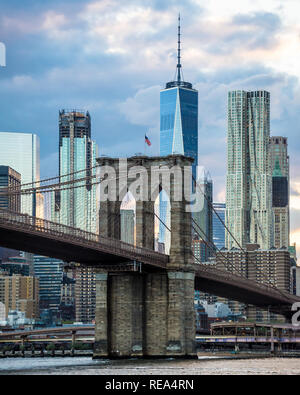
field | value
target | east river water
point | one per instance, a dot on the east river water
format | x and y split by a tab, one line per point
203	366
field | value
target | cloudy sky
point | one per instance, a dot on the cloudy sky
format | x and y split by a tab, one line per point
112	57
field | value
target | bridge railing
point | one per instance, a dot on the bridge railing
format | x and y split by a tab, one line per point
34	224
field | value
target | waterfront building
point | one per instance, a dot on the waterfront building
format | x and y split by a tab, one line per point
49	271
20	293
85	295
67	300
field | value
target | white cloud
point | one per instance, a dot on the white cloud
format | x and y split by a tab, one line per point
143	107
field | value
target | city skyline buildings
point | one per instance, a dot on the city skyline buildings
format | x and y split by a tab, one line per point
181	81
131	77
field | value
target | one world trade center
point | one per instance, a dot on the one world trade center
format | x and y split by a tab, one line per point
178	127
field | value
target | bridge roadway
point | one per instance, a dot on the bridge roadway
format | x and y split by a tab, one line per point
38	236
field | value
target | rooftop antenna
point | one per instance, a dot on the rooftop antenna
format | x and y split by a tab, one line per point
178	54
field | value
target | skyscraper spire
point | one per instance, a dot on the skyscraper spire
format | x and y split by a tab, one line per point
178	76
178	53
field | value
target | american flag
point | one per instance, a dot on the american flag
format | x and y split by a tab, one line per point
147	140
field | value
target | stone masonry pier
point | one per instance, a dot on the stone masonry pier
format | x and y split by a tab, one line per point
147	314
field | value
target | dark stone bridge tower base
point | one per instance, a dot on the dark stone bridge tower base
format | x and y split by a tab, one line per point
148	314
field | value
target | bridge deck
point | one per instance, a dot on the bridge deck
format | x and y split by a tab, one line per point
38	236
225	284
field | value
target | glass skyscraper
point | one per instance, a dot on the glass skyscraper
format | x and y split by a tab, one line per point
21	152
218	227
178	124
179	116
50	273
76	207
204	218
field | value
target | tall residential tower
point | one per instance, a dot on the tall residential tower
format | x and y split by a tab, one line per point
249	180
279	163
76	207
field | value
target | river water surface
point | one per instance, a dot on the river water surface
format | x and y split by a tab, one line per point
203	366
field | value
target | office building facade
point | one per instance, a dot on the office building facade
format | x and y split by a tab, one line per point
49	271
10	182
279	163
199	250
21	152
249	215
218	227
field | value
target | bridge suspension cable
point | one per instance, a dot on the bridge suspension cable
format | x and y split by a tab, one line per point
228	230
212	247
